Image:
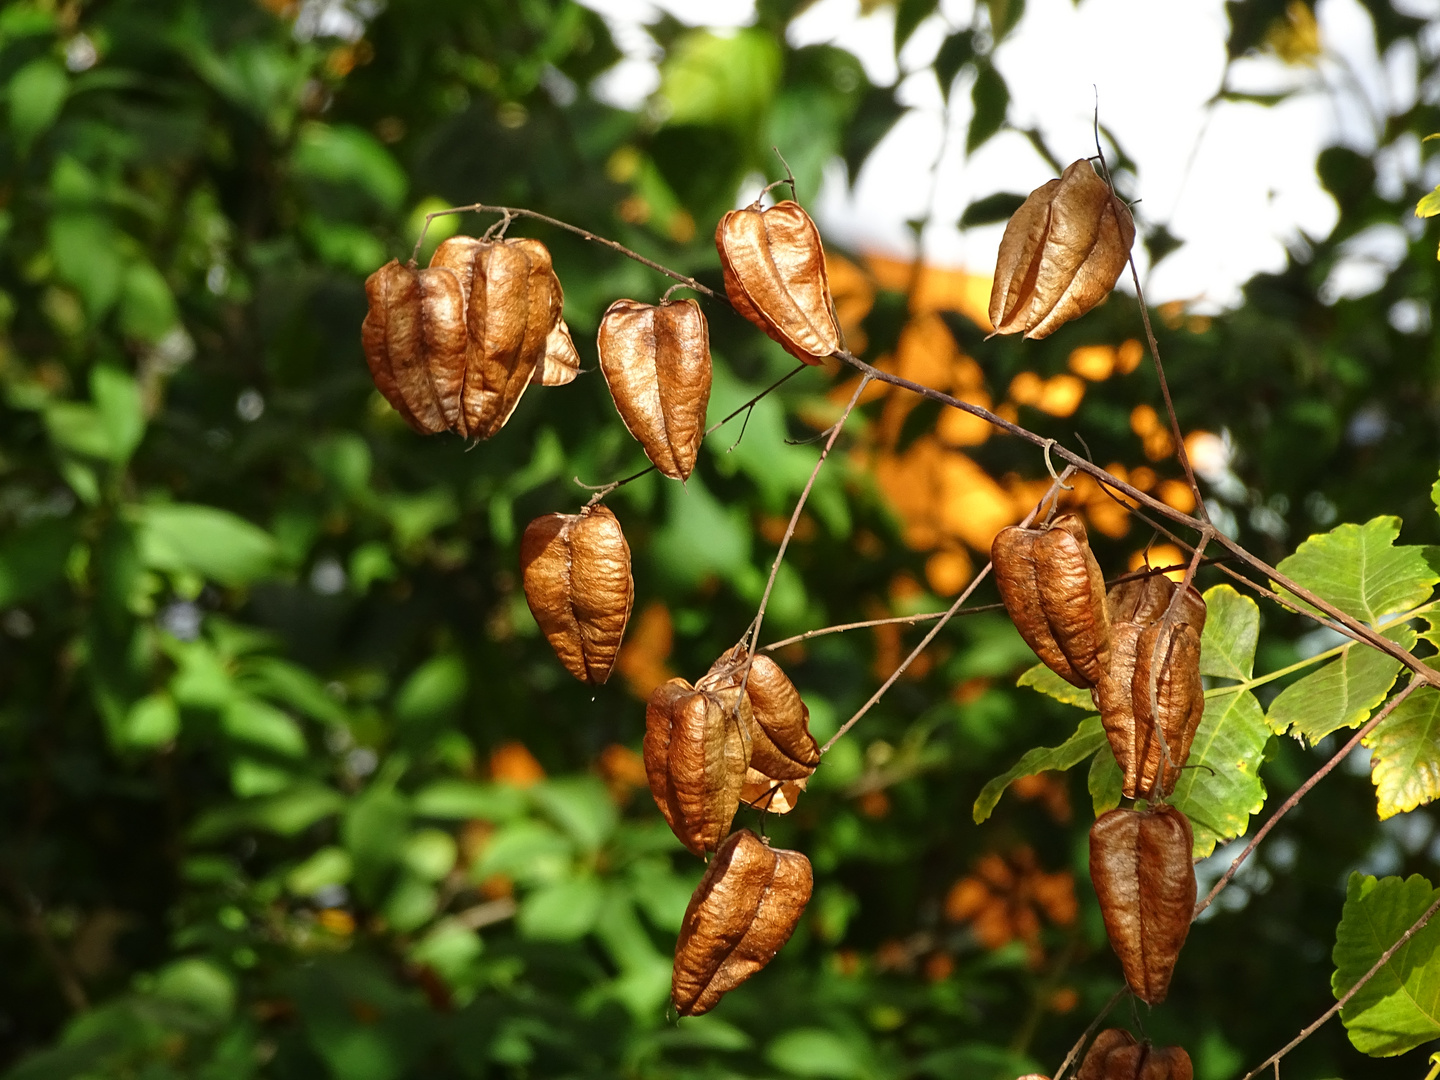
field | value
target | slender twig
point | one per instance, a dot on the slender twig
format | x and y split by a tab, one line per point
939	625
1303	789
1415	928
1165	637
1080	1042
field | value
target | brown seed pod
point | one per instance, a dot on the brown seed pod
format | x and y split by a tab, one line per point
416	344
782	746
697	751
562	361
1123	695
576	572
1115	1055
775	276
768	795
513	303
1140	865
744	910
1144	600
1055	594
1061	254
656	361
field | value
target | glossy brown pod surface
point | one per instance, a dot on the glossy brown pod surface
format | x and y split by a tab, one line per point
1140	865
576	573
1115	1055
513	304
744	910
775	276
1061	254
1055	594
782	747
416	344
656	361
1133	720
1144	600
562	361
697	752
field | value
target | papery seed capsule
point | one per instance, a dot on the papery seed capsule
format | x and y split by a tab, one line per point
1061	254
1115	1055
768	795
513	304
1145	600
782	746
656	361
745	909
562	361
576	573
1140	865
697	752
1055	594
416	344
775	276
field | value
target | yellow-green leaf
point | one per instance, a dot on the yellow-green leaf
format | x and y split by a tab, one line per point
1232	628
1046	681
1359	569
1341	694
1088	738
1406	754
1220	787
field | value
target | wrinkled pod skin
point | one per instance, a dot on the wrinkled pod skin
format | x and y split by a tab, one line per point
774	268
576	573
656	361
1061	254
697	753
1055	594
1140	865
782	746
745	908
1115	1055
1134	723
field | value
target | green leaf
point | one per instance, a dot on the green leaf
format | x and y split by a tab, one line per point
564	911
33	558
198	984
122	411
349	156
1406	754
581	806
721	80
908	15
152	722
1399	1009
432	691
1089	736
1041	678
251	721
1104	782
374	831
328	866
1232	629
147	306
957	50
992	102
1429	204
79	428
1220	787
1341	694
292	685
1004	14
526	850
991	209
37	92
463	799
205	540
286	814
429	854
815	1052
85	245
1359	569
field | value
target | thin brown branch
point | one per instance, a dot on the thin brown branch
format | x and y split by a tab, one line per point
1074	1054
1415	928
1303	790
939	625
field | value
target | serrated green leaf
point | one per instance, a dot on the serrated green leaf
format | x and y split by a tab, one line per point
1232	629
1220	787
1406	754
1359	569
1041	678
1399	1008
1104	781
1089	736
1341	694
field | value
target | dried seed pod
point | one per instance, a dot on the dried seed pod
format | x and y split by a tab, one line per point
744	910
775	276
768	795
1145	600
1055	594
562	361
1115	1055
697	751
576	572
1131	717
1061	254
656	361
1140	865
782	746
416	344
513	303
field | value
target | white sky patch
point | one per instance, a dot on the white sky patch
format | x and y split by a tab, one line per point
1236	181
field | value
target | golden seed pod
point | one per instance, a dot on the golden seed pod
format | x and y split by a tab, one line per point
656	361
768	795
561	363
1140	865
1055	594
775	276
415	343
1061	254
697	751
743	912
1115	1055
782	747
576	572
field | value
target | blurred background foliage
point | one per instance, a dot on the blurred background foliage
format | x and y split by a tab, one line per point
291	785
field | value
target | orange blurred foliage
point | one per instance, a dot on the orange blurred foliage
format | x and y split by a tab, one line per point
949	571
337	921
1153	431
1161	555
1049	791
512	763
623	771
854	294
647	646
1004	898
